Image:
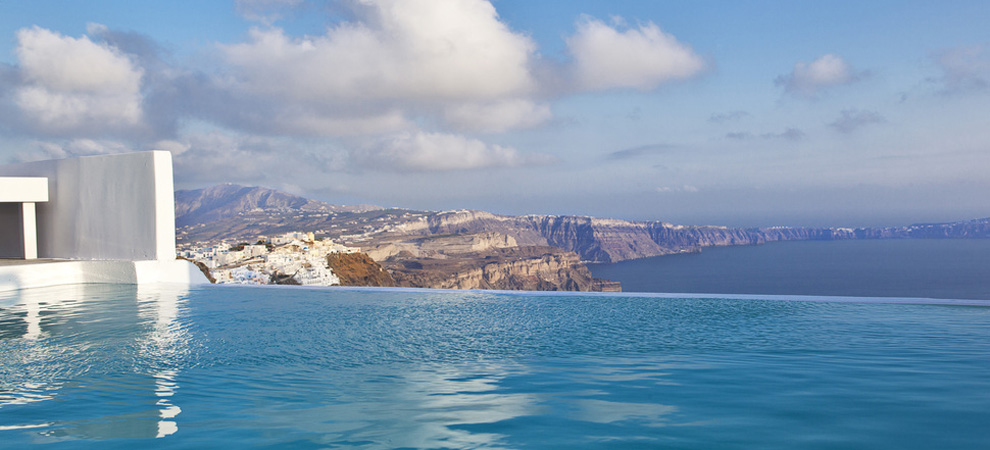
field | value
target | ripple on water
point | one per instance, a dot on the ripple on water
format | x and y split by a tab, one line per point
219	367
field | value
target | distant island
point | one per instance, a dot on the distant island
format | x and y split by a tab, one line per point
480	250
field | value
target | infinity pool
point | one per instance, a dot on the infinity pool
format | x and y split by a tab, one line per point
111	366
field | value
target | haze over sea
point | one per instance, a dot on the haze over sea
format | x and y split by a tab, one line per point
925	268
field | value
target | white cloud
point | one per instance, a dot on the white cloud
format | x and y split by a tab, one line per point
74	147
807	79
74	83
442	152
395	63
639	58
314	123
215	155
497	116
400	50
174	147
41	150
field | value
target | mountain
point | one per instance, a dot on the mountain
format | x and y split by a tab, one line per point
229	200
229	211
233	212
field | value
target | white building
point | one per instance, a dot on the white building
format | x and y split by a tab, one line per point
108	218
304	260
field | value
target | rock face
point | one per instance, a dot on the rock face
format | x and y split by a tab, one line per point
202	268
441	246
509	268
611	240
357	269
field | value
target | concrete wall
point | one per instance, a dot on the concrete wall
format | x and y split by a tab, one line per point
60	273
114	207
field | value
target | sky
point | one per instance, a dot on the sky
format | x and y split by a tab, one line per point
739	113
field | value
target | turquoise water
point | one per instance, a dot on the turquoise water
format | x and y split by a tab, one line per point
104	366
932	268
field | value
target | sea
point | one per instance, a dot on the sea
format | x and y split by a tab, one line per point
911	268
234	367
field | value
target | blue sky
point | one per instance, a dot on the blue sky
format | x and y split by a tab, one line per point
736	113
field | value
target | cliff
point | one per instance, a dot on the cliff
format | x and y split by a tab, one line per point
234	212
441	246
512	268
357	269
611	240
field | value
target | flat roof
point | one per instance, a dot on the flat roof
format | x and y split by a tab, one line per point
23	189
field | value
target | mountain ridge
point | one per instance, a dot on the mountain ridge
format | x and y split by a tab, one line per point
235	212
227	200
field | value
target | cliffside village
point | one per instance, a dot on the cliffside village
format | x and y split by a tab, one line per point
292	258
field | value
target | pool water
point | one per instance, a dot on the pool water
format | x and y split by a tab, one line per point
110	366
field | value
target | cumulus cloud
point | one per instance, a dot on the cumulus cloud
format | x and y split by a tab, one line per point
851	120
639	58
399	50
395	62
71	84
807	79
964	68
423	151
497	116
215	155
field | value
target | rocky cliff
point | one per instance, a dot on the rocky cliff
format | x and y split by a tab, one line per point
514	268
357	269
439	246
610	240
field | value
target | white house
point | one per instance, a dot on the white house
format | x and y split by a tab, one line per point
108	218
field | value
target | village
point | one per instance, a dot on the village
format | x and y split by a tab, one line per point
290	258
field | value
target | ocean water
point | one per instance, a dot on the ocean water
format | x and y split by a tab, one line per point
108	366
929	268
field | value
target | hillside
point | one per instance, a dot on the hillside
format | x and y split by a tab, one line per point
242	213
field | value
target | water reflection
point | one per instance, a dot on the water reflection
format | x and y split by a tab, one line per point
163	348
384	407
106	352
165	387
489	404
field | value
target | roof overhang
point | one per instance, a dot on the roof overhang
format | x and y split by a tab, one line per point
23	189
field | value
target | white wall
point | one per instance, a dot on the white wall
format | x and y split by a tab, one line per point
61	273
118	207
